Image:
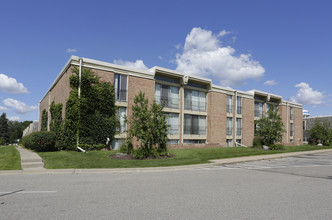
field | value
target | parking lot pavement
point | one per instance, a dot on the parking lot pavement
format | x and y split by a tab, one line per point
314	165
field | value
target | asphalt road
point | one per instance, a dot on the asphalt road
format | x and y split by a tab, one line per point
288	188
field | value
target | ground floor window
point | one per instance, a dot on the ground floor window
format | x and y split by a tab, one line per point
172	141
173	122
238	141
229	142
116	143
194	141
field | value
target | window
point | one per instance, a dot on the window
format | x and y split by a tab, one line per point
238	127
120	86
121	114
229	126
172	141
194	141
229	142
116	143
239	105
194	124
194	100
167	95
291	113
238	141
291	129
259	109
173	122
229	104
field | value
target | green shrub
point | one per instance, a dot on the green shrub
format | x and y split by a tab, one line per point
257	142
2	141
40	141
126	147
276	147
92	146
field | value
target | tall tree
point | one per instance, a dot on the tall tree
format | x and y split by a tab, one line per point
270	128
4	128
320	132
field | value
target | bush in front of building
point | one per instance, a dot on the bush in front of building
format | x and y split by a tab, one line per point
127	147
149	127
40	141
270	129
276	147
257	142
320	133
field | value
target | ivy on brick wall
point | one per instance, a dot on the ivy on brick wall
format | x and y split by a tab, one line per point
44	120
56	125
92	117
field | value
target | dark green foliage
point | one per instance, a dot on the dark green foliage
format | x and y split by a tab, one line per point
257	142
320	133
4	128
92	118
127	147
270	128
16	130
149	126
40	141
276	147
56	126
44	120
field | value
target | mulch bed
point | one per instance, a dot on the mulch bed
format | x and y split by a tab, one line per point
121	156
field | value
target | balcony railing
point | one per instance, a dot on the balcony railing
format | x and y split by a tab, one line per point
258	113
196	130
121	95
229	131
229	108
239	110
169	102
195	105
238	131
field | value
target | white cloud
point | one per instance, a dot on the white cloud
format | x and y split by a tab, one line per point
18	106
223	33
203	55
2	108
10	85
14	118
178	46
138	64
70	50
270	82
160	58
307	96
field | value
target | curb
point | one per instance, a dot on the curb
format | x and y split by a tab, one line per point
213	163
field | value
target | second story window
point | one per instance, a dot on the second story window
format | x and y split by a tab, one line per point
194	100
259	109
167	95
291	129
229	104
238	105
173	122
120	86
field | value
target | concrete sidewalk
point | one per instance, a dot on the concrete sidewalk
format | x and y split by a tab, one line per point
220	162
30	161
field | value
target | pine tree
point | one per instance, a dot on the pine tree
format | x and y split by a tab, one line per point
4	129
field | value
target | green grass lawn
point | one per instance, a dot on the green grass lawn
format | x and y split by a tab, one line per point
9	158
100	159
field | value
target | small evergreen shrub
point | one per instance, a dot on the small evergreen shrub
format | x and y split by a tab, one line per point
127	147
276	147
257	142
40	141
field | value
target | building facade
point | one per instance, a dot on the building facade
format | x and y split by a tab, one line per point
200	114
309	122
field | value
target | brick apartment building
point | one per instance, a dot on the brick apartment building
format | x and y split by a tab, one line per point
202	114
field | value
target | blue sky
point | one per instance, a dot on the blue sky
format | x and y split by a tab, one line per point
281	47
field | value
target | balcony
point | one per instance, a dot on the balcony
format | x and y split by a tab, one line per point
258	113
195	105
168	101
229	131
121	95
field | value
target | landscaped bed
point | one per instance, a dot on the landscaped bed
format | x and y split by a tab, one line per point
101	159
9	158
